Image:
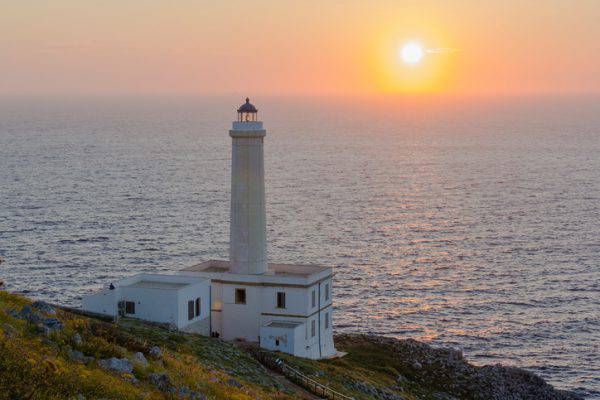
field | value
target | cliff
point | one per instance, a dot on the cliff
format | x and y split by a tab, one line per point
50	353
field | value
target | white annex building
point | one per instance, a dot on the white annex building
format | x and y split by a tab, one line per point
281	306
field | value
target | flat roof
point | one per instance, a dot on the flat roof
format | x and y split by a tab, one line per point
283	324
292	270
153	284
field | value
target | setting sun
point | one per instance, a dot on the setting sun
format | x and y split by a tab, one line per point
411	53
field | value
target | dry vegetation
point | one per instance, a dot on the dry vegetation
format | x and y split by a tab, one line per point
49	353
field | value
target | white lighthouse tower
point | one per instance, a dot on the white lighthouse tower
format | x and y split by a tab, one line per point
247	225
283	307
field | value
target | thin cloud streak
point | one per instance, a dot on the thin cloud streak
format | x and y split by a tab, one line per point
442	50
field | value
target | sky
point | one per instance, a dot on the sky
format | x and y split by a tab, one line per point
278	47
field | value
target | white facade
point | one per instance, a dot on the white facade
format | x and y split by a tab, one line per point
248	222
285	336
177	300
294	294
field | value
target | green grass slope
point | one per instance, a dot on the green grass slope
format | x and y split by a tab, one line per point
50	353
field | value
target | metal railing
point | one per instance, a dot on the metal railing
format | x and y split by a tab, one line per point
298	377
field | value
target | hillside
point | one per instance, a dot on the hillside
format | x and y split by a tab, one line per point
50	353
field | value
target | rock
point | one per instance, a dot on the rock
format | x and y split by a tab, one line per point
161	381
29	315
451	377
234	383
138	358
54	324
155	352
25	311
43	329
77	339
185	393
455	353
44	307
121	365
376	393
79	357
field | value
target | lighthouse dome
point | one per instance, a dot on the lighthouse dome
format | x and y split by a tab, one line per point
247	107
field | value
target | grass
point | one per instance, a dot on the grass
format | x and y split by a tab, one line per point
39	366
36	366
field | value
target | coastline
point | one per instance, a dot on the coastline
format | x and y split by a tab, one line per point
120	361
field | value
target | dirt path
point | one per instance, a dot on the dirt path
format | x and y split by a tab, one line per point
299	392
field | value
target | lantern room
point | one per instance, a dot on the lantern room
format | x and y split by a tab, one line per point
247	112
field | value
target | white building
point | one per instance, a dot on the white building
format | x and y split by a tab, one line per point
273	307
283	307
178	300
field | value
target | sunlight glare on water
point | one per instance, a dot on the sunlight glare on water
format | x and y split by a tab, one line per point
464	223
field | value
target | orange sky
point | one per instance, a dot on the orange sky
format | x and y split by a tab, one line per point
301	47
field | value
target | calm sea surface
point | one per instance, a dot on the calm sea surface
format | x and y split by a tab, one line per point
466	223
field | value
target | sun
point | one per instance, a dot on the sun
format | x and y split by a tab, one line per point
411	53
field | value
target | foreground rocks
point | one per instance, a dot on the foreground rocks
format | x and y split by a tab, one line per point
121	365
36	314
445	370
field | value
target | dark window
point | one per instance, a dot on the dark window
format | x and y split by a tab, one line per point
198	307
314	298
313	328
129	307
327	291
240	296
280	299
190	309
326	320
276	342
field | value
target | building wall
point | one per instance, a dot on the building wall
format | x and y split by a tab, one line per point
157	304
152	304
233	321
191	293
241	321
290	339
104	302
216	307
295	301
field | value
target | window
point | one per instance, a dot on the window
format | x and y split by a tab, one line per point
190	309
129	307
276	342
240	296
313	328
280	299
326	291
326	320
198	307
314	298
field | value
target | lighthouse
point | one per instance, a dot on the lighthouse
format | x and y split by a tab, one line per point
248	221
282	307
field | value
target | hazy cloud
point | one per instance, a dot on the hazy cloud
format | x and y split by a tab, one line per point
442	50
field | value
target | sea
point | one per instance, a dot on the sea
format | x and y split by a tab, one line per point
471	222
